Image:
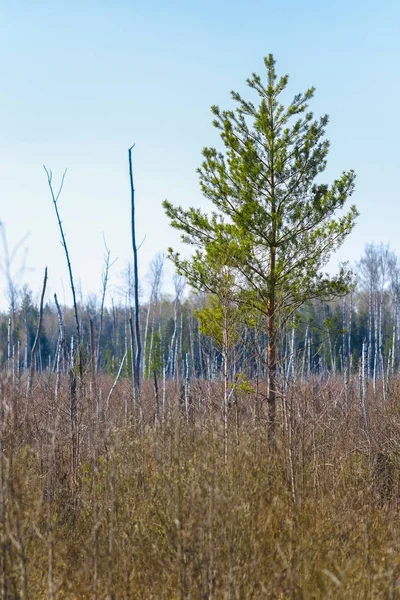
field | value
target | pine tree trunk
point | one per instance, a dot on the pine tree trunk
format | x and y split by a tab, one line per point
272	368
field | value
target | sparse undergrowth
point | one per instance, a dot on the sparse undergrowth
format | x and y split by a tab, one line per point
151	510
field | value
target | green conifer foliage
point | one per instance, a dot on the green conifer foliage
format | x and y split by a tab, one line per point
273	216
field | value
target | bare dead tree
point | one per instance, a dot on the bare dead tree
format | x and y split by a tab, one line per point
92	361
132	345
156	398
9	330
55	197
106	271
3	502
156	269
36	342
136	373
114	385
12	275
61	341
175	354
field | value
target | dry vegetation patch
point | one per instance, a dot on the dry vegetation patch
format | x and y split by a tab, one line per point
151	510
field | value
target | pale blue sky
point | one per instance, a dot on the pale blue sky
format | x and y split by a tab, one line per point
81	81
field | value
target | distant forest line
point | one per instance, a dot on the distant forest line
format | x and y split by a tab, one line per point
322	338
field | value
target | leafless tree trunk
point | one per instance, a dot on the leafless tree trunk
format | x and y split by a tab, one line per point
60	359
164	398
55	197
345	357
107	266
133	362
175	358
136	282
92	362
36	342
363	382
156	269
116	379
3	532
145	370
6	267
156	399
225	355
9	350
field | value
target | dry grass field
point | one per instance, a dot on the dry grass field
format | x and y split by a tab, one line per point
113	505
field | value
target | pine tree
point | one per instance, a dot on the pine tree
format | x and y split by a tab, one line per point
270	209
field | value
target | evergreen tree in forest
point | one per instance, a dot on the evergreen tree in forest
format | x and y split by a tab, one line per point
270	209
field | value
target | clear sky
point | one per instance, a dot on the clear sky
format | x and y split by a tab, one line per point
83	80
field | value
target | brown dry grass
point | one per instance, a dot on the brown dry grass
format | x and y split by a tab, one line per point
152	511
